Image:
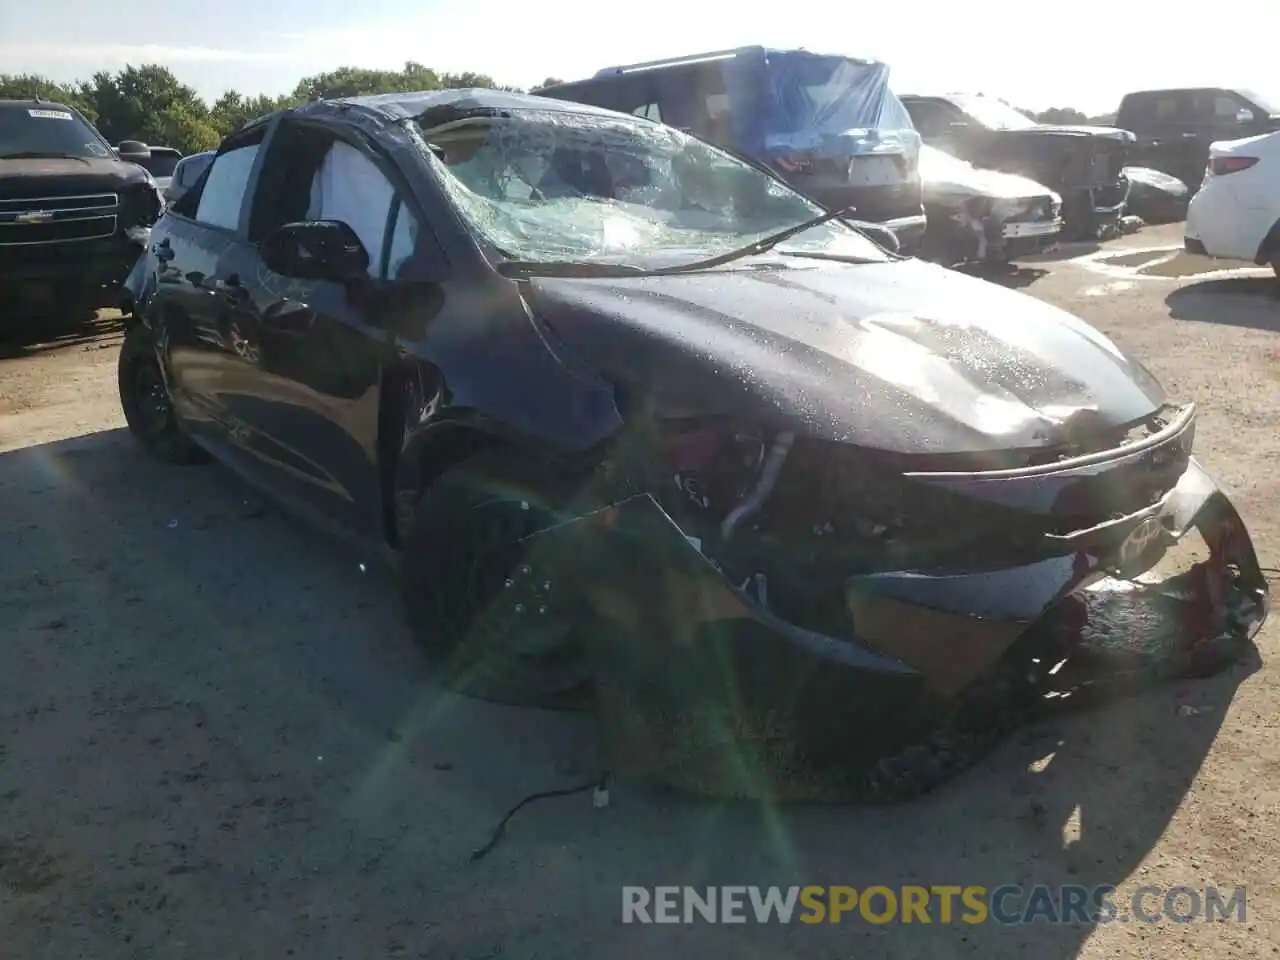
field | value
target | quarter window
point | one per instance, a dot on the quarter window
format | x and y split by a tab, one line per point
223	193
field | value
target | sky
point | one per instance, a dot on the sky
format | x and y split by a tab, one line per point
1035	53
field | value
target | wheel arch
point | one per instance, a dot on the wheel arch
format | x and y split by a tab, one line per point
426	454
1269	249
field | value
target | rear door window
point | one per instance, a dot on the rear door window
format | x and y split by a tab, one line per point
222	198
1166	108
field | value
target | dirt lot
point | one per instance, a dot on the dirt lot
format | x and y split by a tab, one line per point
216	739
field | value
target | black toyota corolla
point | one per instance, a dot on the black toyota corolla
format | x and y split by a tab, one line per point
800	516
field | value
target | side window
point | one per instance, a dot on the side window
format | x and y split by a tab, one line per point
930	118
192	170
1165	109
348	186
650	111
308	174
223	193
1225	107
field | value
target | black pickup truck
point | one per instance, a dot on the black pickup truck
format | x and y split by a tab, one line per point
1175	127
1081	164
73	216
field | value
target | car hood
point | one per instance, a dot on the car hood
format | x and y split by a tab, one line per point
58	176
1111	133
902	356
1155	179
944	176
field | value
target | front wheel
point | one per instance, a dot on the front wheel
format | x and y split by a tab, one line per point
148	408
482	601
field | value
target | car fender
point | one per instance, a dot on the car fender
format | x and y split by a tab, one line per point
551	408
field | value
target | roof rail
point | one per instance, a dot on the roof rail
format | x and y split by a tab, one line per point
673	61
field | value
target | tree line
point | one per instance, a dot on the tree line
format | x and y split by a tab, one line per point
149	103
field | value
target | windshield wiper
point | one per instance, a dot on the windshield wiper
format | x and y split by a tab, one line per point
524	269
40	155
760	246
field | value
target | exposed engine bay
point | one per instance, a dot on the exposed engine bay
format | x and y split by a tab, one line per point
768	595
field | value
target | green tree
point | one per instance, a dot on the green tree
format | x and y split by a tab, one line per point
24	86
233	110
150	104
1061	115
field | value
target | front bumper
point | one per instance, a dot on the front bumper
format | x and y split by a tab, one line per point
701	686
36	269
1005	231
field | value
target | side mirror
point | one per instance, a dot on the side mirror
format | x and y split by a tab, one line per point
1244	115
882	235
316	250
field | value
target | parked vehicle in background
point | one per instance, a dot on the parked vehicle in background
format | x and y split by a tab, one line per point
984	216
829	125
157	161
185	174
1174	127
650	430
73	216
1235	214
1156	196
1081	164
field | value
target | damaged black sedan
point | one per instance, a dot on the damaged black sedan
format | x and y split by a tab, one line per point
804	518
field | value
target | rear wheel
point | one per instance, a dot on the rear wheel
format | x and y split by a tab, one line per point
148	408
483	603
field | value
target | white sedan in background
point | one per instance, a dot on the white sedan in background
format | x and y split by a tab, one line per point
1236	213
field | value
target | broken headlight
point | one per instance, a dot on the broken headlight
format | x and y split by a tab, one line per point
710	464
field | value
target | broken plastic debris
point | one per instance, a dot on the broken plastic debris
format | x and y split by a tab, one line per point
361	566
600	797
173	524
1186	710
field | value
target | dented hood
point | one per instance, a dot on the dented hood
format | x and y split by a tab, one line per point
902	356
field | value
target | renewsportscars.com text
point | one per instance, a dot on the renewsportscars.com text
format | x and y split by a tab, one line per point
941	904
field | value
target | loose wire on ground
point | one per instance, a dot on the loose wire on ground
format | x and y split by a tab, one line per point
600	783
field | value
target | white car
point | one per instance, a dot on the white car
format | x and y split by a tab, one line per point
1236	213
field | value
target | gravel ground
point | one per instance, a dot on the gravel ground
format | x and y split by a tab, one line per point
216	739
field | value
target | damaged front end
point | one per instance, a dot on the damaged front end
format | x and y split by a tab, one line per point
985	230
778	617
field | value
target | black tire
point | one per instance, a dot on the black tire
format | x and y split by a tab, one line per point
148	409
476	600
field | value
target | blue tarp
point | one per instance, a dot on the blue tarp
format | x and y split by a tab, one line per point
789	101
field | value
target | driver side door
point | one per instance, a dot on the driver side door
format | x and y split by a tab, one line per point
313	351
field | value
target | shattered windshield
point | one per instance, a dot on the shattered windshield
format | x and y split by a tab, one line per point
47	131
558	186
993	114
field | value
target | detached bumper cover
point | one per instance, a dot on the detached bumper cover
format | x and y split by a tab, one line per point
701	686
